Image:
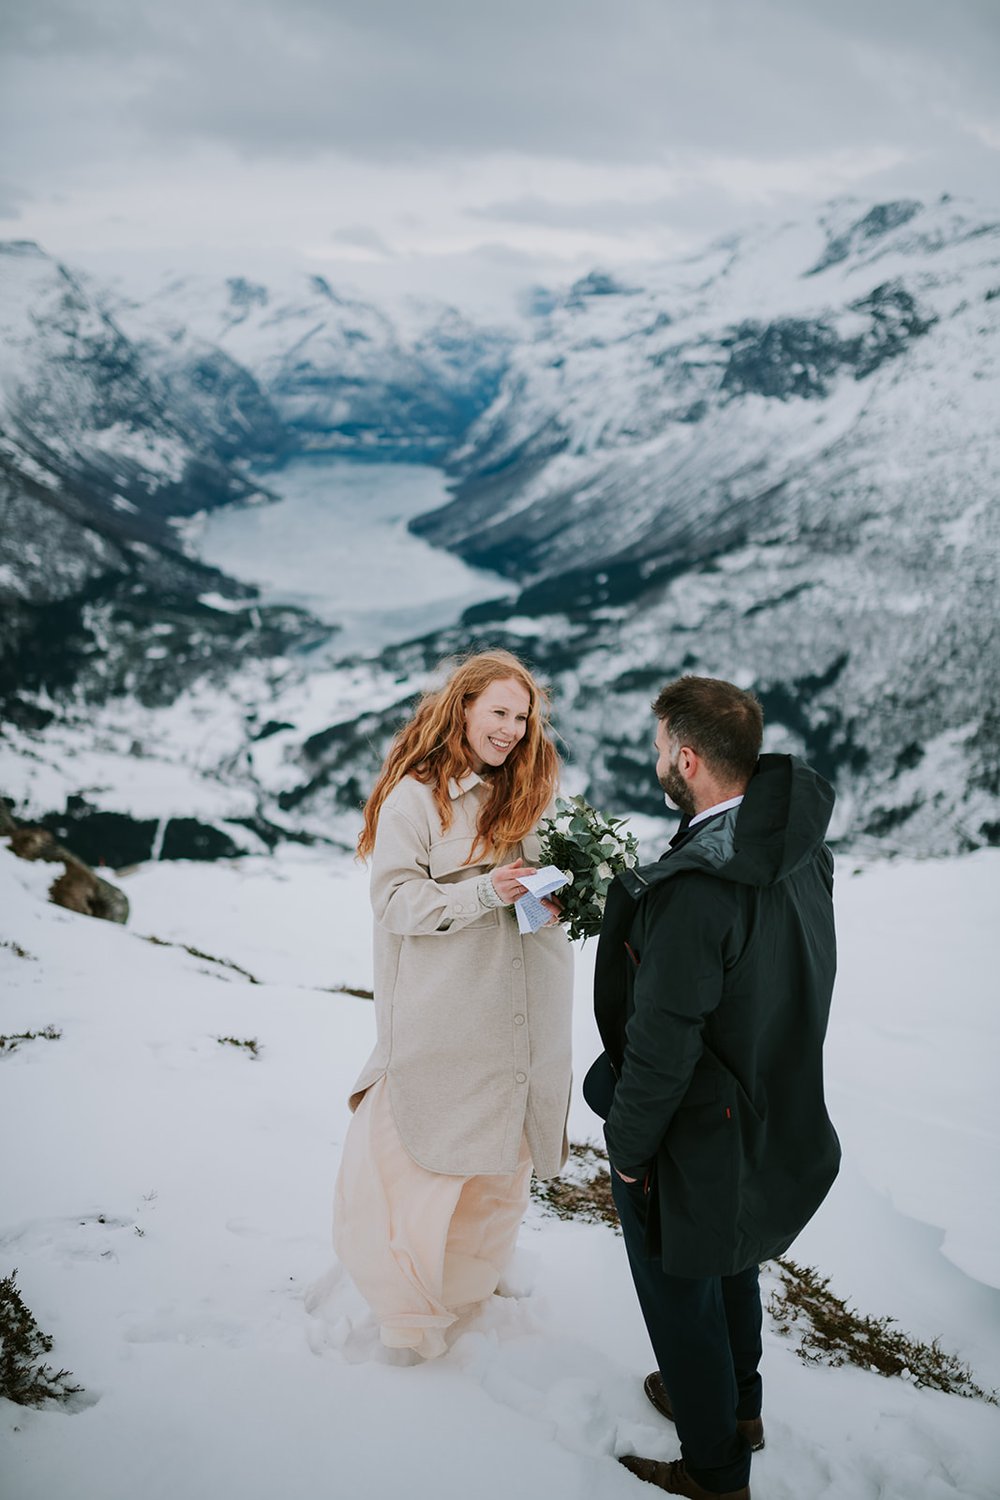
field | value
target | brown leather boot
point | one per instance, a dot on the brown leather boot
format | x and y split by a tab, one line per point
752	1428
675	1479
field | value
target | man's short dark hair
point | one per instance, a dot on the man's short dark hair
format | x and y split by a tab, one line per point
721	723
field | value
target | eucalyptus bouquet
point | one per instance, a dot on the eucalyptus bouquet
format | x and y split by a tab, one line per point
591	849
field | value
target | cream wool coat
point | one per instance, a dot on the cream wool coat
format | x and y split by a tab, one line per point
473	1020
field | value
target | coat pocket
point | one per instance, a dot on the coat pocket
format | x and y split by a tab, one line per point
448	856
698	1169
706	1087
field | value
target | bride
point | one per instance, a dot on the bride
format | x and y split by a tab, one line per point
468	1087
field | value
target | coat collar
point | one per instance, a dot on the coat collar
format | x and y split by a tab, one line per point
463	784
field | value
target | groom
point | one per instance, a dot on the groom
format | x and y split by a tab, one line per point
712	989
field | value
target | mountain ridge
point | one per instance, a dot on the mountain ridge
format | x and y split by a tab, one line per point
774	462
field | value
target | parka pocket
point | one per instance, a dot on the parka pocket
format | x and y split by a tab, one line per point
705	1088
700	1157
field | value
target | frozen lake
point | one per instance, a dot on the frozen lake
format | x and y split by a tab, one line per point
336	543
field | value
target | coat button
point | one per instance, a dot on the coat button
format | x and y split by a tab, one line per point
516	964
518	1020
520	1077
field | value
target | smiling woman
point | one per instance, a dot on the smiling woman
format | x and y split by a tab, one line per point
468	1086
496	721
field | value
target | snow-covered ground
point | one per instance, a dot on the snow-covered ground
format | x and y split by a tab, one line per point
166	1204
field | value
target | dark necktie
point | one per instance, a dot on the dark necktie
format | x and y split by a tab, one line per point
681	833
685	831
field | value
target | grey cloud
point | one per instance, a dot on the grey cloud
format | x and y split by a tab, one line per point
586	79
608	215
364	238
12	200
113	29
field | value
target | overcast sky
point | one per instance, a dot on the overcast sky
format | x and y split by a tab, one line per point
429	140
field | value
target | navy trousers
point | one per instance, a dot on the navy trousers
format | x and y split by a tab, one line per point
705	1333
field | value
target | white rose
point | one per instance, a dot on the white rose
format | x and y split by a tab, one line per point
604	871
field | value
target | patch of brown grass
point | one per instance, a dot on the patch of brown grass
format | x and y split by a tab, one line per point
582	1191
829	1332
12	1042
208	958
249	1044
16	949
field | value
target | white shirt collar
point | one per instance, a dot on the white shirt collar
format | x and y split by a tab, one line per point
463	784
719	807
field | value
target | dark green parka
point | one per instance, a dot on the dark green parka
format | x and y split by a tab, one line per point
713	980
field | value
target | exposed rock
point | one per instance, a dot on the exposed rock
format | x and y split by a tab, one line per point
876	222
78	888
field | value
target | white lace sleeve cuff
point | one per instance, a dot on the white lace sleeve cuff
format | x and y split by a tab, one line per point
486	893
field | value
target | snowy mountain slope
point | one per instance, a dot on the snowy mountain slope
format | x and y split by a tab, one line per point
641	421
96	459
214	769
338	374
777	464
168	1215
775	461
116	418
79	404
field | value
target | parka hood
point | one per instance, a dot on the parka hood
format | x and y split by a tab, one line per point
780	823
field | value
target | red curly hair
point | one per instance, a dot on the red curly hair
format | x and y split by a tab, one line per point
432	747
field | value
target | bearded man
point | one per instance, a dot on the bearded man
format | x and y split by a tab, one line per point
713	982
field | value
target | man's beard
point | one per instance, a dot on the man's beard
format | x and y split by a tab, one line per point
677	790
